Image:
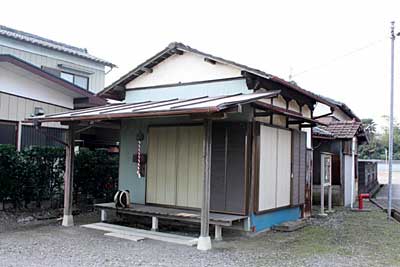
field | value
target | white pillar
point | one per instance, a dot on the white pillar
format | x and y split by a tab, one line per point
353	169
330	198
218	232
19	135
154	224
103	215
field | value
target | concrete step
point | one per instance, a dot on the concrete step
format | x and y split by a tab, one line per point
125	236
123	230
290	226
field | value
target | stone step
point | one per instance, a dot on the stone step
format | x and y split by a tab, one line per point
290	226
125	236
123	230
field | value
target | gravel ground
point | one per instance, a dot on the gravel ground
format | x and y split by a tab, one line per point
345	238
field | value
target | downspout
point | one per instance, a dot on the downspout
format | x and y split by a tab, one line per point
353	169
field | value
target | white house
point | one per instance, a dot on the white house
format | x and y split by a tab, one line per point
41	75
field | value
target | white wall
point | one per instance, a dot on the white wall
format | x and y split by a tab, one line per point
183	69
40	56
14	82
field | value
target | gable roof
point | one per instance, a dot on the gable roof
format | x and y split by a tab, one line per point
178	48
93	99
47	43
343	107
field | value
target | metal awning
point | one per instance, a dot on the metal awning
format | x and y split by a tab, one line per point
171	107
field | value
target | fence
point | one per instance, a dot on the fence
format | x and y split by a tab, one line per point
33	178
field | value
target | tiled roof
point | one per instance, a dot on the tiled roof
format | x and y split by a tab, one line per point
341	129
44	42
318	131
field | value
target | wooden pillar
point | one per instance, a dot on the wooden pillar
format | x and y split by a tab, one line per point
68	177
204	241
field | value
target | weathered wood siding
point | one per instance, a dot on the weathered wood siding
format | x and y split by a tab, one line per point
228	174
175	166
40	56
14	108
298	167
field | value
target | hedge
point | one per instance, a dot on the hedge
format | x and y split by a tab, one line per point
36	174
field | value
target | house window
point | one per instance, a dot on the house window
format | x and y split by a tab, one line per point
78	80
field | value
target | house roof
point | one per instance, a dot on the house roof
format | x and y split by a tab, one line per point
177	48
340	130
342	106
47	43
171	107
93	99
320	132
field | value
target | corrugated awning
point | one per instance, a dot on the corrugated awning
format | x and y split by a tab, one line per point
171	107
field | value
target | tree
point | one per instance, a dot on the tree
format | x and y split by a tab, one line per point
379	142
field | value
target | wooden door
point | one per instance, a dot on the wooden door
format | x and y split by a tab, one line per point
228	175
175	166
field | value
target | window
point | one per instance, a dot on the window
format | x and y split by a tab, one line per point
78	80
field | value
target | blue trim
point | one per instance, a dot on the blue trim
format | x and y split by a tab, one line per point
267	220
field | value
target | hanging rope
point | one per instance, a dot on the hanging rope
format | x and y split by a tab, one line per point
139	139
138	158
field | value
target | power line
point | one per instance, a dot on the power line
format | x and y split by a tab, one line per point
369	45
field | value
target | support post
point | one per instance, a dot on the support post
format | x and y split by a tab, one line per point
154	224
204	241
103	214
323	172
68	177
353	170
391	118
19	135
218	232
330	199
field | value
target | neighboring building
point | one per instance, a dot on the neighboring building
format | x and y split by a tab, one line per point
203	120
41	75
342	126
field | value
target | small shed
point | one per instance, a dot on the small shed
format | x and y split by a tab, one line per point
205	140
337	138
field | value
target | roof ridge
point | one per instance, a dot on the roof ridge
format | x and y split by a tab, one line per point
83	50
50	44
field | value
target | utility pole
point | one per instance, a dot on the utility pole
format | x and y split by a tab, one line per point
392	37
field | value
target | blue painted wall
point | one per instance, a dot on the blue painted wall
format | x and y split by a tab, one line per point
267	220
216	88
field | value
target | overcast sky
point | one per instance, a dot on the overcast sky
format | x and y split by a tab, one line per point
340	49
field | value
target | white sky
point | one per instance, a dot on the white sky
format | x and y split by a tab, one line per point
274	36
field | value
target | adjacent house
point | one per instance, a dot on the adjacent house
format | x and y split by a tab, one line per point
338	140
38	75
206	140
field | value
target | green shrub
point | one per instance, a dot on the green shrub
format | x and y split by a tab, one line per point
36	174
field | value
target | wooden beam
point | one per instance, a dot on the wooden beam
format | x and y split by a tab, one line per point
204	241
68	177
